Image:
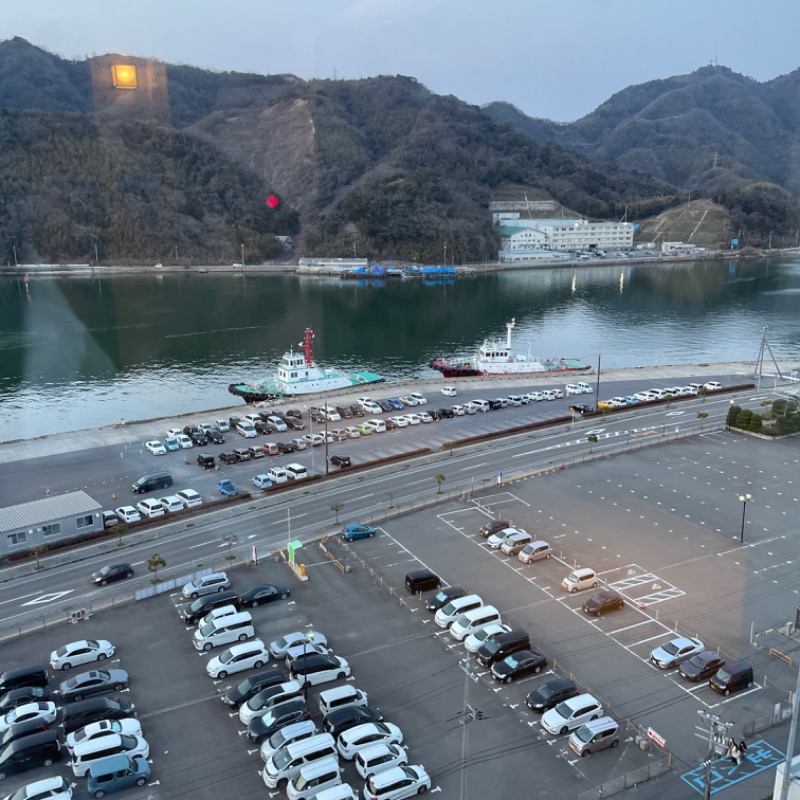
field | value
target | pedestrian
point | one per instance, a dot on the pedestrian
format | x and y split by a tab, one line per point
734	754
742	750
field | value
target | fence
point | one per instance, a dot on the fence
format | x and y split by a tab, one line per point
632	778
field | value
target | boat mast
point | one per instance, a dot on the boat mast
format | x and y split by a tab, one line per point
305	346
509	325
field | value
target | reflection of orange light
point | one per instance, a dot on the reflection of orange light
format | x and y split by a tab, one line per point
123	76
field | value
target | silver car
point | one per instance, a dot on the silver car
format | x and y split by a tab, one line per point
207	584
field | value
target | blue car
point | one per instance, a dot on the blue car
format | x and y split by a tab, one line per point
171	443
352	532
397	403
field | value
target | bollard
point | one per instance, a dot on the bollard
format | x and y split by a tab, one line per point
302	570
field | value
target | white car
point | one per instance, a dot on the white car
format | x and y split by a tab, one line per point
475	640
171	503
644	397
425	417
409	400
676	651
151	508
420	398
279	647
124	745
128	514
617	402
42	712
378	758
496	539
459	410
129	727
300	443
314	439
189	497
449	391
397	783
184	441
401	422
712	386
261	481
156	448
535	396
175	432
572	713
47	789
277	424
352	432
261	702
332	414
247	655
413	419
368	734
222	425
207	584
84	651
372	408
297	650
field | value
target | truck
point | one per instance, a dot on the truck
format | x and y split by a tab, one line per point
226	488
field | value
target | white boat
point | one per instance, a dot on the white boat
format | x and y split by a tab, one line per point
299	374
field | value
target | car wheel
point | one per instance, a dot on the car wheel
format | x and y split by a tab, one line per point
537	670
221	675
101	657
284	595
596	716
118	687
422	790
573	590
99	793
242	637
141	781
564	730
48	762
370	535
595	585
585	753
615	743
129	574
727	692
254	604
507	679
194	595
103	582
341	676
207	646
66	665
220	588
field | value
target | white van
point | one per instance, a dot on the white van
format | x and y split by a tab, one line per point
470	621
217	613
278	475
296	472
378	758
288	761
189	497
313	778
171	503
451	611
578	579
233	628
377	425
481	405
585	388
85	754
573	388
295	732
340	697
344	791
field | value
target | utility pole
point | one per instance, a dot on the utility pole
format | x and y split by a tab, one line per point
717	732
787	766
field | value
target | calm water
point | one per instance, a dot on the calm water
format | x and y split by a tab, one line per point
84	351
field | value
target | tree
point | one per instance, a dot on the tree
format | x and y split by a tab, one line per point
117	529
230	539
37	551
154	563
733	412
336	508
440	479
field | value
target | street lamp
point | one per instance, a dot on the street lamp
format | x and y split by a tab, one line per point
743	499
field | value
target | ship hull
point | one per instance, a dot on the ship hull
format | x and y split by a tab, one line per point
469	369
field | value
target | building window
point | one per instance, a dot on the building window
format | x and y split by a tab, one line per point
51	530
84	522
20	537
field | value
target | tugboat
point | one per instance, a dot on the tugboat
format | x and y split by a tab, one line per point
299	374
496	358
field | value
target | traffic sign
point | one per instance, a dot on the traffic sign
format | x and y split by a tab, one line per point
657	738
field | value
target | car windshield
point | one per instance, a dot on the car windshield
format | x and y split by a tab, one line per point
583	734
281	758
61	652
207	629
563	710
492	646
91	643
670	648
547	691
226	657
440	597
723	675
512	661
128	741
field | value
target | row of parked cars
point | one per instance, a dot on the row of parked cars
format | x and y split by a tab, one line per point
298	756
153	507
648	395
103	740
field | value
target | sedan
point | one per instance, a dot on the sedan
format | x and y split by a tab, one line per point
518	665
352	432
128	514
604	600
443	597
701	666
405	781
130	727
352	532
675	652
342	719
475	640
111	573
298	650
277	717
156	448
264	593
83	652
171	444
46	789
550	694
398	403
278	648
45	711
23	696
96	681
367	735
581	408
240	657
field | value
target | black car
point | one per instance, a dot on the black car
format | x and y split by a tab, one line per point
286	447
23	695
20	729
316	415
277	717
390	424
264	593
443	597
78	715
199	607
36	750
228	458
582	408
447	413
342	719
233	421
701	666
294	424
340	461
262	426
550	694
518	665
386	405
344	412
436	413
215	437
241	453
111	573
243	691
198	437
604	600
32	675
190	429
206	461
294	412
495	404
493	526
95	681
357	410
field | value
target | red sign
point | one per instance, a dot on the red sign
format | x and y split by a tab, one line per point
657	738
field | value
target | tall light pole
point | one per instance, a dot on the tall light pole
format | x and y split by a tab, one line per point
242	253
445	254
743	499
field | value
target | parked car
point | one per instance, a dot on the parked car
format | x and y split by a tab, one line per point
43	711
475	640
171	444
279	647
340	460
572	713
443	597
493	526
77	715
226	488
518	665
242	453
550	694
239	657
343	719
96	681
128	727
206	461
676	651
365	735
397	783
284	448
206	584
156	448
264	593
605	600
351	533
228	458
261	482
111	573
83	651
128	514
22	696
276	718
701	667
251	686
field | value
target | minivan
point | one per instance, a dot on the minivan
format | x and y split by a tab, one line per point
149	483
344	791
573	388
535	551
319	668
33	675
296	472
115	773
513	544
196	610
422	580
481	405
584	578
732	677
235	628
287	762
296	732
313	778
218	613
339	697
36	750
470	621
278	475
87	753
378	758
450	612
502	645
189	497
585	388
595	735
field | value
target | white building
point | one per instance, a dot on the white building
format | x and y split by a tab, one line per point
565	235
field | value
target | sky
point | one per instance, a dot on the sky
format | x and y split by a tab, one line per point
553	60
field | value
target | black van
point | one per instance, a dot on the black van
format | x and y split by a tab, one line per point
194	612
501	645
149	483
36	750
422	580
84	712
732	678
34	675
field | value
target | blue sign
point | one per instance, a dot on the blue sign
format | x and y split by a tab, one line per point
760	756
734	242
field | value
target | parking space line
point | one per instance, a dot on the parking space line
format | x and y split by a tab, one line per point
630	627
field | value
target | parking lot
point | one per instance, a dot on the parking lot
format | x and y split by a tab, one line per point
660	525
